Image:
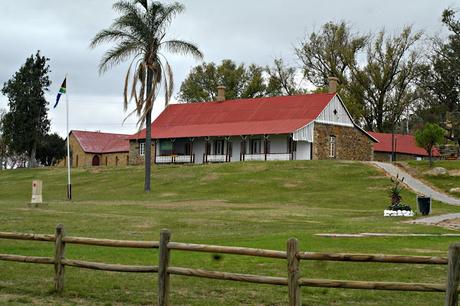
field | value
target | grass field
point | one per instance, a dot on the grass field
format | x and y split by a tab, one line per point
248	204
442	182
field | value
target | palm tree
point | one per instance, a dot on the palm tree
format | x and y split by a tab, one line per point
139	35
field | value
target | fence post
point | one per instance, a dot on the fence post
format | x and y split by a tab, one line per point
293	272
163	264
453	275
59	253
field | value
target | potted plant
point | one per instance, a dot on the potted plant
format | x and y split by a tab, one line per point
424	204
397	208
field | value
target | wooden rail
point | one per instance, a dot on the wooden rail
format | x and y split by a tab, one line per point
292	256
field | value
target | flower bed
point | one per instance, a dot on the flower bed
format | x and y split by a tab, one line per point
398	213
397	209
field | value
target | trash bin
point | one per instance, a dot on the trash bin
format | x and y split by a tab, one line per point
424	205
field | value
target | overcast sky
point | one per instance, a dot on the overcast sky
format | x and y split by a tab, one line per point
241	30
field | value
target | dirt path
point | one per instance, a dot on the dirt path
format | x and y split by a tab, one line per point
417	185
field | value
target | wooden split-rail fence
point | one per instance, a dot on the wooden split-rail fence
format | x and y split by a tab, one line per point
292	255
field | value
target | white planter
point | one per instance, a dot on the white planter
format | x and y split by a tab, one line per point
398	213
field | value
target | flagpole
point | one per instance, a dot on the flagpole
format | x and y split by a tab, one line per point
69	185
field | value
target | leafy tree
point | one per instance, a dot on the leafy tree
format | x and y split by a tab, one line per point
139	33
51	149
240	82
430	136
440	81
330	52
282	79
385	85
27	120
376	74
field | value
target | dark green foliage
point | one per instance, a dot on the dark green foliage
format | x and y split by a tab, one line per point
400	206
240	81
430	136
51	149
27	120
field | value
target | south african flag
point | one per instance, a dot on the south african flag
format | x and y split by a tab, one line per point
61	92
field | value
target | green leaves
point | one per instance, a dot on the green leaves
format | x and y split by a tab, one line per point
27	119
241	81
139	35
430	136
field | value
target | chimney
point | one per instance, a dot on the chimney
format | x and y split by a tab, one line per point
333	81
220	93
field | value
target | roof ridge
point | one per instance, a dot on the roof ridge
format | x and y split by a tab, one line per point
252	99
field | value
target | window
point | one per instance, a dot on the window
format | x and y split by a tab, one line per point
166	147
256	146
219	147
332	146
142	148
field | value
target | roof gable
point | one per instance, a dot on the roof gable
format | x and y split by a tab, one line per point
97	142
273	115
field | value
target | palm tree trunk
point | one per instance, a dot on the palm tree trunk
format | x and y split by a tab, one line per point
148	135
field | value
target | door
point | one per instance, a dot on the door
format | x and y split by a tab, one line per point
96	160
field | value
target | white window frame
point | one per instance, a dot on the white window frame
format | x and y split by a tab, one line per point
219	147
332	146
142	148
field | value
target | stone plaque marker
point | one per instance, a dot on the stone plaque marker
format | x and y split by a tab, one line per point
37	192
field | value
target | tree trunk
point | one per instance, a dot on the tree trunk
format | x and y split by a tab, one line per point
148	134
32	160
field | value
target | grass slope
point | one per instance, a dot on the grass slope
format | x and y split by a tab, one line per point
442	182
242	204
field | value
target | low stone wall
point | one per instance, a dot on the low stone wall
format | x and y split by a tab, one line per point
351	143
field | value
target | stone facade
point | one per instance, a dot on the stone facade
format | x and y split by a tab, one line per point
351	143
81	158
134	157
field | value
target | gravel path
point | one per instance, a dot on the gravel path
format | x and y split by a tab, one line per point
417	185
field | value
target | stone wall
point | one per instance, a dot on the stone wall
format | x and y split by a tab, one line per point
134	157
351	143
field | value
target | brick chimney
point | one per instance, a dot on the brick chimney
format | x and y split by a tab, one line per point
333	81
220	93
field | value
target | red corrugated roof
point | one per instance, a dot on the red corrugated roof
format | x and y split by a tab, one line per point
274	115
404	144
97	142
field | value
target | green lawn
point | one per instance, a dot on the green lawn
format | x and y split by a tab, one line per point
243	204
442	182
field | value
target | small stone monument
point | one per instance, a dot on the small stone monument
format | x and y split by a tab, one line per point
36	192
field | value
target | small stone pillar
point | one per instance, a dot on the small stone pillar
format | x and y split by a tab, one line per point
37	192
